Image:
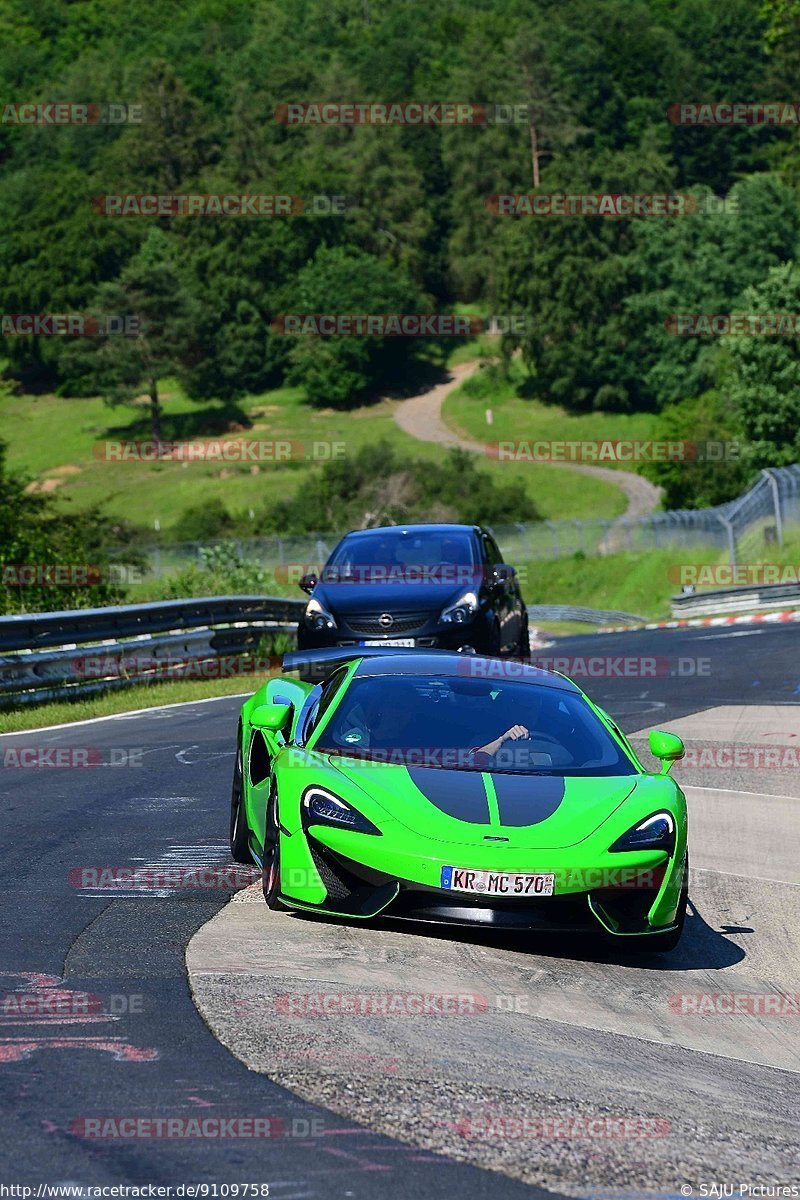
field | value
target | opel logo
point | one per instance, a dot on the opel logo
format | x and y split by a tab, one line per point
386	620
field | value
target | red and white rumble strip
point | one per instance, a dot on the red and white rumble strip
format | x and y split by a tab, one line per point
739	619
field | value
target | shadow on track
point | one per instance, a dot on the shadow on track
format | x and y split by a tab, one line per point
701	948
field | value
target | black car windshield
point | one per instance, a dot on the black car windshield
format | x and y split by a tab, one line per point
387	554
472	724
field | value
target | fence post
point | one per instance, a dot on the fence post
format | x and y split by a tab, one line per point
728	524
776	503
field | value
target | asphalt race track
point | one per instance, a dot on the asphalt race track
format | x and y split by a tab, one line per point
397	1106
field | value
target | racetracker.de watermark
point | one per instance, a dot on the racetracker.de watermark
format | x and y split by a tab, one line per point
707	325
225	878
411	574
393	1004
409	112
67	575
219	204
211	1128
726	112
64	113
123	666
50	1005
69	325
735	1004
721	575
397	324
500	884
591	204
74	758
511	1127
240	450
587	666
21	575
622	450
720	757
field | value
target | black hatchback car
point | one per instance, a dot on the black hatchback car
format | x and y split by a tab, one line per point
440	586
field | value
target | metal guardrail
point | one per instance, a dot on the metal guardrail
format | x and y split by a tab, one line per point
49	656
571	612
736	599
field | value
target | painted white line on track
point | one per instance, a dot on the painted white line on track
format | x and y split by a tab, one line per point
696	787
730	633
736	875
133	712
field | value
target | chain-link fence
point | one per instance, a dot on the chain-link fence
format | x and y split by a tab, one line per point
742	528
270	552
764	515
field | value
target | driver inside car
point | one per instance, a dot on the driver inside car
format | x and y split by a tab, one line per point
512	734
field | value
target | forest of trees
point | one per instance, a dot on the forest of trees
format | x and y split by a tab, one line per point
417	233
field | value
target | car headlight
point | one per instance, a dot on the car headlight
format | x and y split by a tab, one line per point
461	611
318	617
324	808
654	833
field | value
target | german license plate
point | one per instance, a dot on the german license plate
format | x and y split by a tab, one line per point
496	883
387	642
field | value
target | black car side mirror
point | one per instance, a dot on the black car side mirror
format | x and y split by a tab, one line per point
502	573
308	581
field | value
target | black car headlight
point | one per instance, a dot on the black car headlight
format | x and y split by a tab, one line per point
656	832
322	807
461	611
317	615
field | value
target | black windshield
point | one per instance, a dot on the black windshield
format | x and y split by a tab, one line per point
472	724
385	555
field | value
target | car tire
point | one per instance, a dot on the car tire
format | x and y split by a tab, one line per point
272	856
524	648
239	831
662	943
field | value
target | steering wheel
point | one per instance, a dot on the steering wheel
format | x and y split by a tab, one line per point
537	737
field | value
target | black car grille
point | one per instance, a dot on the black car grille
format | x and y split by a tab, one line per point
370	623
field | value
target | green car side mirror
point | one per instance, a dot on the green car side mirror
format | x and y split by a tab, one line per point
666	746
272	717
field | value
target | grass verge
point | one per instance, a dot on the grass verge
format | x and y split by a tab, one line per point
59	443
517	419
106	704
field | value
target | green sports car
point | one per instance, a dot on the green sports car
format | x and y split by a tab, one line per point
459	789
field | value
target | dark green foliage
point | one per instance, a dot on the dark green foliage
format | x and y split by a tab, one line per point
765	377
339	371
201	522
380	486
418	235
33	535
722	467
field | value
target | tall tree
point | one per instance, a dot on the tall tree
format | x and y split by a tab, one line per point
765	376
147	329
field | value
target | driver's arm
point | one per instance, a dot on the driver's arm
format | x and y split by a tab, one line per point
516	731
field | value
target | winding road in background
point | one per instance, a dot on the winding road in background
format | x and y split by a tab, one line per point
421	417
386	1107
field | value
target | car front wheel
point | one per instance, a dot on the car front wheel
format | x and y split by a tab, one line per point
239	832
272	856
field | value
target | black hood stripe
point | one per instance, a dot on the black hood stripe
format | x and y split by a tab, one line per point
527	799
460	794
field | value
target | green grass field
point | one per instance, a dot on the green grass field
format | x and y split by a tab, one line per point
641	583
517	419
54	441
62	712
